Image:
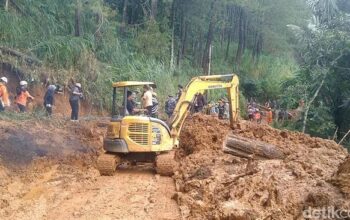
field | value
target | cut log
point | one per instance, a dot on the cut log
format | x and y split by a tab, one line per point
249	148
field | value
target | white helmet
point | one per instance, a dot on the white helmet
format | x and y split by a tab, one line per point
52	87
78	85
4	79
23	83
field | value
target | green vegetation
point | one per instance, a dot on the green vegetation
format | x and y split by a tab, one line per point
282	50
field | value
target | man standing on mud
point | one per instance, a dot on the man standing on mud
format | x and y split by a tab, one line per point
4	95
269	116
147	99
23	96
49	99
179	92
200	102
170	105
75	96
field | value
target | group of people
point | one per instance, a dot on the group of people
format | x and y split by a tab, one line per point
199	102
22	96
220	109
76	94
149	102
254	113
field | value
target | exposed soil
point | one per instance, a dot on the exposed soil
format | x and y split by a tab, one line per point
342	177
215	185
47	171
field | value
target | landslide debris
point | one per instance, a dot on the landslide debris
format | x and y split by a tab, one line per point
215	185
342	177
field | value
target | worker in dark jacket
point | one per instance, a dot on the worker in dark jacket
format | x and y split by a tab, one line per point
179	92
75	96
155	104
49	99
200	102
221	108
170	105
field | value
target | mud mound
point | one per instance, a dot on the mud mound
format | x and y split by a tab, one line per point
342	178
209	135
214	185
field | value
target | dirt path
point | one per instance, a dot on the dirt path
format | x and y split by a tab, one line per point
128	195
60	193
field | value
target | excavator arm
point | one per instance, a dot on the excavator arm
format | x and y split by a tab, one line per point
200	84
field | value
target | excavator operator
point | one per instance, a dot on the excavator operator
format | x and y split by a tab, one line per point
131	104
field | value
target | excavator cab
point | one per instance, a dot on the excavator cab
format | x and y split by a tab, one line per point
128	132
145	139
121	90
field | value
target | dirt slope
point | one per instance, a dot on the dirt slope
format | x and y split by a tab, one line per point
47	171
214	185
342	177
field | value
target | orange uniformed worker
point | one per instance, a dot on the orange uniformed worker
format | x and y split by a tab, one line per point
269	116
4	95
23	96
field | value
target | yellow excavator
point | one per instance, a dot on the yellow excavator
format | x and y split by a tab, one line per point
140	138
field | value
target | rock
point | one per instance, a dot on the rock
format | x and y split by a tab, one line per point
237	211
265	199
241	126
284	134
77	214
3	203
259	133
152	200
157	176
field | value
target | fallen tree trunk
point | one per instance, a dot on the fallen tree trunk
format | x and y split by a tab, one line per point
249	148
28	59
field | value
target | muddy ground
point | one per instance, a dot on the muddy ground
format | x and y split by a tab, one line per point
215	185
48	171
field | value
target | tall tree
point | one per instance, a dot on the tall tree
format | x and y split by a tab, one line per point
6	5
154	9
210	38
124	16
241	30
78	25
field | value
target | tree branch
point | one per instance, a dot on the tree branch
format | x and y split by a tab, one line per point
341	141
311	101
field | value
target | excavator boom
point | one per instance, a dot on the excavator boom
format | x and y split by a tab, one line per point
199	84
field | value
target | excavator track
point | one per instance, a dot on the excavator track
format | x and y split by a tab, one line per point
165	163
107	164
